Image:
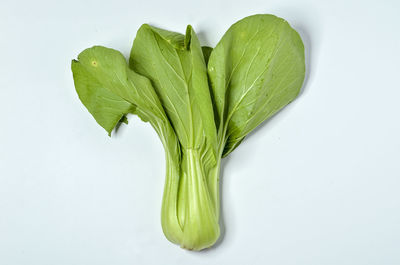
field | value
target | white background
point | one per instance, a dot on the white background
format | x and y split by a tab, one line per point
318	184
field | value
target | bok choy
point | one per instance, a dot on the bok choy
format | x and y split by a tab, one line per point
202	102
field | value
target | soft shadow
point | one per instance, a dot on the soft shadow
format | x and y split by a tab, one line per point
201	35
119	129
307	52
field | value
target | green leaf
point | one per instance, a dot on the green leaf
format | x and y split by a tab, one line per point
256	69
107	108
110	90
175	65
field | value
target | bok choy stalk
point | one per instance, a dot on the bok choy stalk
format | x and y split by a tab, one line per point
202	102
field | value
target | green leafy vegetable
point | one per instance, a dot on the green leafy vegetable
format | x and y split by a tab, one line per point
202	102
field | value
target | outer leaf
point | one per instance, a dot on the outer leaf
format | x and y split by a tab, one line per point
110	90
256	69
107	108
